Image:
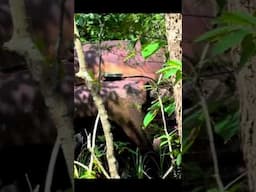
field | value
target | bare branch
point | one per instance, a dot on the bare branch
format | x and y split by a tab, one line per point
100	106
207	119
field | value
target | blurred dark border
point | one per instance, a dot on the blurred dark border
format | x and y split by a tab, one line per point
128	6
127	185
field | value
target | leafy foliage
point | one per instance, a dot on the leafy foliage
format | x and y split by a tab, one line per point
149	29
133	27
150	49
170	142
234	29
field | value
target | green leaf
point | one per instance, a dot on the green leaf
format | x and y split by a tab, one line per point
248	49
155	106
170	68
169	73
228	127
149	117
150	49
170	109
174	63
228	41
88	175
179	159
76	175
239	18
218	32
178	76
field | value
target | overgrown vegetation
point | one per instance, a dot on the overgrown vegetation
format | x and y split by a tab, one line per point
234	33
132	27
149	29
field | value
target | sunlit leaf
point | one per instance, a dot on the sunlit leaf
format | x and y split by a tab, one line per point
150	49
149	117
76	175
174	63
178	76
169	73
170	109
88	175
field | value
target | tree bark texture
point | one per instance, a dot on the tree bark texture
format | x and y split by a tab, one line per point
246	85
174	35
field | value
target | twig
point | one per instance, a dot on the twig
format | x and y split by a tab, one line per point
208	120
82	165
165	127
186	112
235	180
29	184
211	139
37	188
145	173
167	172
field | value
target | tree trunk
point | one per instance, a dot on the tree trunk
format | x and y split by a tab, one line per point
247	95
174	34
22	43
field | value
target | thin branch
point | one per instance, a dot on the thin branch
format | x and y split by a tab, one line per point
208	119
167	172
235	180
211	139
82	165
37	188
165	126
99	104
29	183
